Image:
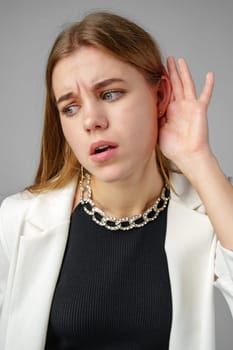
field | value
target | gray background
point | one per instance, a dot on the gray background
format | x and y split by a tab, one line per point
199	30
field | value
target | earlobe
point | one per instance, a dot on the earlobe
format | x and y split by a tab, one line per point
164	95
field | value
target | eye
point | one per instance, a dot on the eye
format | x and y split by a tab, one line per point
70	111
111	95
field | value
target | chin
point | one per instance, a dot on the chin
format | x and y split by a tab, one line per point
111	175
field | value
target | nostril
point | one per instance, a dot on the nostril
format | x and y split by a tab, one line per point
93	123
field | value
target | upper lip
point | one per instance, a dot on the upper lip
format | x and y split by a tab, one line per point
97	144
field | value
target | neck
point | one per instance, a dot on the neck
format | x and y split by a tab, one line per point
129	196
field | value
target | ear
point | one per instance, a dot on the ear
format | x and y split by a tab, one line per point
163	95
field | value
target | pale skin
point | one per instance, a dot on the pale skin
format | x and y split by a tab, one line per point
124	112
182	133
184	140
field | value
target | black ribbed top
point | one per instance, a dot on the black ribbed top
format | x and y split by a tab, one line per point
113	291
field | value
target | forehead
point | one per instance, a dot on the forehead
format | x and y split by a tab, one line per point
87	66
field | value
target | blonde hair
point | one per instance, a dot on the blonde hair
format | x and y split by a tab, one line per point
117	36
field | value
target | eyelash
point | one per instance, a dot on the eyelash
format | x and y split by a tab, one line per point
118	92
65	110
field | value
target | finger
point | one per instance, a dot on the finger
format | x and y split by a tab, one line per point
208	88
177	86
187	80
172	97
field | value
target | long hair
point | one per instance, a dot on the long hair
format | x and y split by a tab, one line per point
116	36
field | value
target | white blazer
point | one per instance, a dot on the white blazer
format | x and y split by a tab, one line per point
33	236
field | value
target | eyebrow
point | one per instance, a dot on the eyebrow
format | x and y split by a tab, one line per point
95	87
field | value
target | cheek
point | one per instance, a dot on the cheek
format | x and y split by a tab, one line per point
144	125
72	135
67	132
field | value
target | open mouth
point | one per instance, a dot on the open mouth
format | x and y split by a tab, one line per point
103	146
102	149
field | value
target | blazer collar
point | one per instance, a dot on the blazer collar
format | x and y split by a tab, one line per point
52	208
185	193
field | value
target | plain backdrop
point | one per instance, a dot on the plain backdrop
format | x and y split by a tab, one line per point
199	30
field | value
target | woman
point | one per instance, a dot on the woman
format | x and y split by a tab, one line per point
111	247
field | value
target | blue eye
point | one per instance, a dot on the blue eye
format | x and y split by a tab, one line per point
111	95
70	111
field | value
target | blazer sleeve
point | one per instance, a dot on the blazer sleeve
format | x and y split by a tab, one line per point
4	257
224	271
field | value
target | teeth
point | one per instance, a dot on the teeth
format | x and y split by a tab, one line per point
101	149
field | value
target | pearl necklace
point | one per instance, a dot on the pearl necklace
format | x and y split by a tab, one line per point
124	223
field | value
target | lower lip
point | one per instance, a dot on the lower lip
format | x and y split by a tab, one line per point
104	156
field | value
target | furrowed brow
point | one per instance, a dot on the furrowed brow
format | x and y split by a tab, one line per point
96	86
65	97
106	82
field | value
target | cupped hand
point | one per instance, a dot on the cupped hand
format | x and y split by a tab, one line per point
183	134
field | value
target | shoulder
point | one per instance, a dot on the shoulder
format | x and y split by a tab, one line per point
16	204
185	194
19	204
12	212
41	210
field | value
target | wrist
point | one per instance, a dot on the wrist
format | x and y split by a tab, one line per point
198	167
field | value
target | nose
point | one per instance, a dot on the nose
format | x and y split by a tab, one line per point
94	117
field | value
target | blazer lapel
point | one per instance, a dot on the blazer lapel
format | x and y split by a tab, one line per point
190	248
40	252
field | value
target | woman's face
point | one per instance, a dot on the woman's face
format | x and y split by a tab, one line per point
108	113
